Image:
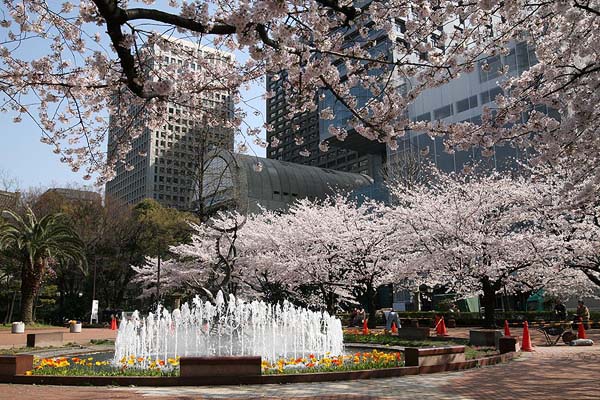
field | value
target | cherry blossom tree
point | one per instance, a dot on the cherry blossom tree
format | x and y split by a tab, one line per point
100	53
204	266
317	253
483	235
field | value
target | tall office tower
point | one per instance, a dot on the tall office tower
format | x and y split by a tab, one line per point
165	161
463	100
298	136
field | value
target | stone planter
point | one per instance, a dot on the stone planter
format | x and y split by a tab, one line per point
75	327
18	327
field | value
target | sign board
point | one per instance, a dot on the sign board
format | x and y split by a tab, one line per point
94	315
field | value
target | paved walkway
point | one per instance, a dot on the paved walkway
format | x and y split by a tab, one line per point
9	340
560	372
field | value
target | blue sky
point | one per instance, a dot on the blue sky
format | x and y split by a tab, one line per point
33	163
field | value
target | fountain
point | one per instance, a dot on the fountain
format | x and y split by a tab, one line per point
235	328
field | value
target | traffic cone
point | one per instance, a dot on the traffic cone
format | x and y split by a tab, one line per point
581	330
394	329
526	346
506	328
113	324
365	327
442	330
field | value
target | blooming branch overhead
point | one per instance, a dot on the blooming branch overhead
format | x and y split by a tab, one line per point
99	54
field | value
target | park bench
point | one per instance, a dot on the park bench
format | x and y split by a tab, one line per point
44	339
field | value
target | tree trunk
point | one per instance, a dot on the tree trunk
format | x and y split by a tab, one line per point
31	278
28	293
371	295
489	302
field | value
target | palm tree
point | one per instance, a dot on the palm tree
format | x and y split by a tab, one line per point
34	243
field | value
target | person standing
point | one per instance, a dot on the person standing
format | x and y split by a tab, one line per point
583	314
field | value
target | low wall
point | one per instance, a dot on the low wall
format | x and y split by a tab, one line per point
249	380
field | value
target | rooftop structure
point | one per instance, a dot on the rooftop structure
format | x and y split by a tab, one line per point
75	194
8	200
246	183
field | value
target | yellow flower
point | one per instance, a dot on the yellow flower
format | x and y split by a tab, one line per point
28	373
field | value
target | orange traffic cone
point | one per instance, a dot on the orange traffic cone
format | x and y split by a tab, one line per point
526	346
394	328
581	330
365	327
113	324
442	331
506	328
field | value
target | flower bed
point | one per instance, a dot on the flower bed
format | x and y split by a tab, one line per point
357	361
89	366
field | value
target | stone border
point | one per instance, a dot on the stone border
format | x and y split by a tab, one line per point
251	380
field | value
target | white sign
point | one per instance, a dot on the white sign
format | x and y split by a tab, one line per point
94	315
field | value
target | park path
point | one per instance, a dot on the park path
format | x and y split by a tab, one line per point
560	372
9	340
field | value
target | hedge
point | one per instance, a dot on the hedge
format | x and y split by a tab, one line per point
426	318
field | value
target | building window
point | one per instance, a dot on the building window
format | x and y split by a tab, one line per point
442	112
466	104
489	96
494	65
423	117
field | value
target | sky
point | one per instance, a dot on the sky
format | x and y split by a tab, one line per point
34	165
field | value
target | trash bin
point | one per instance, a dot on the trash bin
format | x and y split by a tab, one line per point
18	327
75	327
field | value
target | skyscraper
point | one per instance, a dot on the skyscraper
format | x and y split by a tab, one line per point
165	160
298	136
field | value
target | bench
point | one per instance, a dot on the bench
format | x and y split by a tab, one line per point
484	337
220	366
424	357
414	333
44	339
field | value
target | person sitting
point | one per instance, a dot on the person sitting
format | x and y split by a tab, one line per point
358	316
560	310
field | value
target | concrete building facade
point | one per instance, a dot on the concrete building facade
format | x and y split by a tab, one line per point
164	160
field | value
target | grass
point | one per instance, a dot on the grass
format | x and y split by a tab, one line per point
471	352
99	342
396	341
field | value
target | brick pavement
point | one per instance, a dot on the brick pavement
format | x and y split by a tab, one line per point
560	372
